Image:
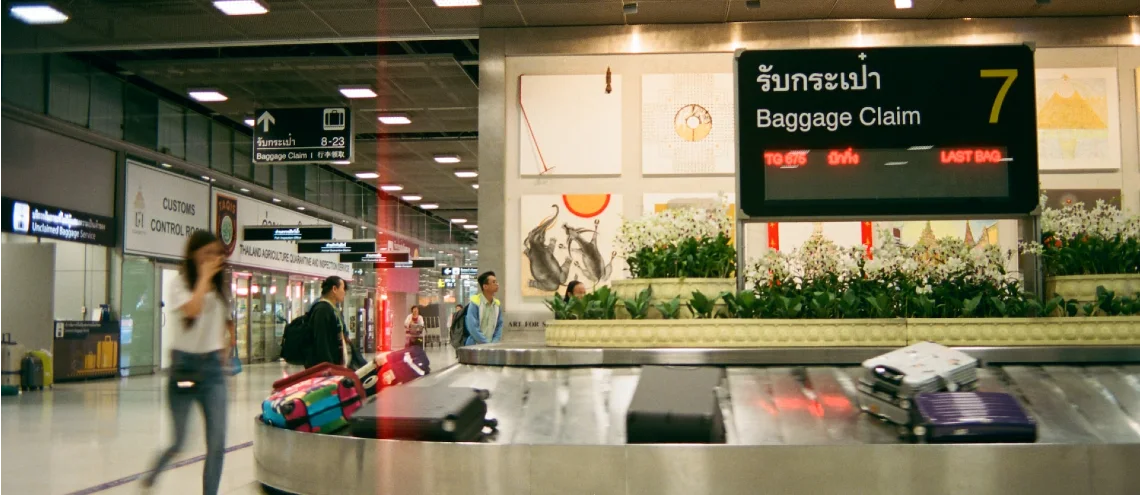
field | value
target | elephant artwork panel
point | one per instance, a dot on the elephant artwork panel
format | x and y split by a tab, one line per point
568	237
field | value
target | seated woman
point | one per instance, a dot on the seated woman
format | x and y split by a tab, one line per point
574	289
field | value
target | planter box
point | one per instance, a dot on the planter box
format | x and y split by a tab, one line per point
726	333
1097	330
1083	287
665	289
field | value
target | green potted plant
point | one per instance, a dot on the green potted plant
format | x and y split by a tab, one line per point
677	252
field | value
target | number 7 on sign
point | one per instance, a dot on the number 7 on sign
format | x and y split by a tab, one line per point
1010	75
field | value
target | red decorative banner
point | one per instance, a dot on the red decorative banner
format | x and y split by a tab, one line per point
773	236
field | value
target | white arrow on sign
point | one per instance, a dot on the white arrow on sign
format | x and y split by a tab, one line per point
265	119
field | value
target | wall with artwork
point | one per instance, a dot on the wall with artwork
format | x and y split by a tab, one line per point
656	131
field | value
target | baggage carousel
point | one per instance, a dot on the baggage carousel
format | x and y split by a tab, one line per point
790	429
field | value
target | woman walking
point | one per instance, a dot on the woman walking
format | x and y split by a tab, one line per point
201	341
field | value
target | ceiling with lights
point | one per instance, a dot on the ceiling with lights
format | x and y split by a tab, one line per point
407	68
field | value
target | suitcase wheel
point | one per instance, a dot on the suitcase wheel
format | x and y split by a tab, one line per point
483	394
286	408
449	424
493	424
920	431
348	383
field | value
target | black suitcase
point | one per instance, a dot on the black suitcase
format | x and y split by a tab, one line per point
439	414
675	405
31	373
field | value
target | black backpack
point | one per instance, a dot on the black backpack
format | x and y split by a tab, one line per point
458	330
297	340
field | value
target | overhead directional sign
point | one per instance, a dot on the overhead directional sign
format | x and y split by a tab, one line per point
336	247
287	233
459	270
414	263
381	257
302	135
872	132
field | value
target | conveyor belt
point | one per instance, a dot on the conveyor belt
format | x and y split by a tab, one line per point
790	430
791	405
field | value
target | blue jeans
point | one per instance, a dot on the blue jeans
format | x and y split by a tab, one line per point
210	393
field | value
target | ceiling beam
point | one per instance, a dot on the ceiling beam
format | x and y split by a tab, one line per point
464	34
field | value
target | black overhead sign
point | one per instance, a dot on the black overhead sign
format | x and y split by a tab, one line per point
381	257
459	270
34	219
414	263
872	132
336	247
287	233
302	135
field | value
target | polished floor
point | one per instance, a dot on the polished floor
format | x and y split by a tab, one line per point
96	437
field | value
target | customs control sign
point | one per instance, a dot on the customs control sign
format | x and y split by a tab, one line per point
302	135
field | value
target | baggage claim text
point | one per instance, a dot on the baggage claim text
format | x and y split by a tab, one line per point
870	116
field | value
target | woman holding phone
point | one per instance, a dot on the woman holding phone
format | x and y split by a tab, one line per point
200	351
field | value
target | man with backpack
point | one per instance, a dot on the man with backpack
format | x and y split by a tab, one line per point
481	320
319	336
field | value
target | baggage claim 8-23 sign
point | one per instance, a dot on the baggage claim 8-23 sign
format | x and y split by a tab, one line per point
873	132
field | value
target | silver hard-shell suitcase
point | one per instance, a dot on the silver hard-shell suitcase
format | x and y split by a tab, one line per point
876	399
920	368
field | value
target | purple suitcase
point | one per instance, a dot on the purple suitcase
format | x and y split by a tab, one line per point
972	417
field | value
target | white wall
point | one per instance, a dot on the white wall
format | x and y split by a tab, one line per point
632	185
80	279
27	293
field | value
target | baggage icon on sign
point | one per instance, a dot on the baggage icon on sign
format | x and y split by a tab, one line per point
335	119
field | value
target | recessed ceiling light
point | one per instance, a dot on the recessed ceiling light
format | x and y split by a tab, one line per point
470	226
342	162
275	200
475	186
40	13
458	220
391	187
206	177
357	92
447	158
394	119
429	206
367	175
466	174
363	227
301	208
165	165
240	7
207	95
412	197
250	122
456	3
244	190
904	4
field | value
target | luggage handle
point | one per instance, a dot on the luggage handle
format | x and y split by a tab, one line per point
888	374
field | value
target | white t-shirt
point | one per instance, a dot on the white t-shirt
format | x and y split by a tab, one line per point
208	332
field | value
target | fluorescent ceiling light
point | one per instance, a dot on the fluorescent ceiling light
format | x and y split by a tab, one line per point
394	119
466	174
275	200
475	186
412	197
250	122
240	7
166	165
207	95
391	187
38	14
367	175
302	208
456	3
470	226
447	158
357	92
458	220
244	190
904	4
429	206
342	162
206	178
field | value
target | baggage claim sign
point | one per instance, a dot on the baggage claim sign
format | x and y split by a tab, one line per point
874	132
